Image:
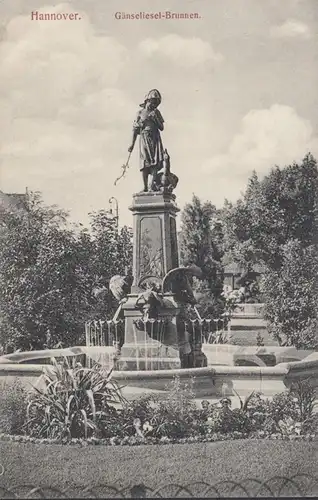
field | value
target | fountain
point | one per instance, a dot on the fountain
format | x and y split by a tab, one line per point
157	330
156	333
154	300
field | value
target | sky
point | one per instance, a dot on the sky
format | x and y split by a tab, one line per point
239	93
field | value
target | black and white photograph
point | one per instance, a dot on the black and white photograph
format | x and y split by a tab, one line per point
158	249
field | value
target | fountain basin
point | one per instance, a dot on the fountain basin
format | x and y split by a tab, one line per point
217	354
43	356
209	383
236	355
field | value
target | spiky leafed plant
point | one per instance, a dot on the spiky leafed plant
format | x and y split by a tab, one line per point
244	403
305	397
74	402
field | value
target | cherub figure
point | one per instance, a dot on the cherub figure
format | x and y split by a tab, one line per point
149	302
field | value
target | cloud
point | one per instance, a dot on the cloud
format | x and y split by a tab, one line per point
268	137
185	52
291	29
48	65
66	93
62	109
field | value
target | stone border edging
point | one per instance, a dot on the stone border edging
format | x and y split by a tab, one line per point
243	371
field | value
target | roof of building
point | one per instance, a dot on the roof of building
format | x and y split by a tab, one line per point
12	201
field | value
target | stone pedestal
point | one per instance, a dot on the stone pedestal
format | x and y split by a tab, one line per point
155	235
150	346
154	345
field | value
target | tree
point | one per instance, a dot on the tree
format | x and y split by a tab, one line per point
49	272
112	254
281	207
239	227
201	243
35	267
291	297
275	224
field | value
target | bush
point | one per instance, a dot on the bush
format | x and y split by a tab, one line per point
176	416
222	419
308	336
290	296
282	406
225	420
13	405
75	403
290	413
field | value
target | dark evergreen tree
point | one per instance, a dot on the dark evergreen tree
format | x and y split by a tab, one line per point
201	243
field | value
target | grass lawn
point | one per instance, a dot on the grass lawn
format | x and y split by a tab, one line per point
76	467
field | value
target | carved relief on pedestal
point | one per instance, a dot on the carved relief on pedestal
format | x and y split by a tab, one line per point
151	258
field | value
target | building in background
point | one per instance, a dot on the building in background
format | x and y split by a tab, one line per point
12	201
233	273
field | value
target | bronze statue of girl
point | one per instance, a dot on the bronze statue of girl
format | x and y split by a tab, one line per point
148	125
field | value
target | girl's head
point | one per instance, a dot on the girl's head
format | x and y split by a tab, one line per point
151	103
152	99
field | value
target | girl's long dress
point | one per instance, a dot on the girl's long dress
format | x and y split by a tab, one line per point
151	147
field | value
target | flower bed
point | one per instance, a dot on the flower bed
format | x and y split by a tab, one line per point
76	407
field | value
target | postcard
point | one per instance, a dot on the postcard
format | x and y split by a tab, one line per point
158	248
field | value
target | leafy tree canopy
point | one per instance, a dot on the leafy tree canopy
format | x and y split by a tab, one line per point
290	296
50	272
275	224
281	207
